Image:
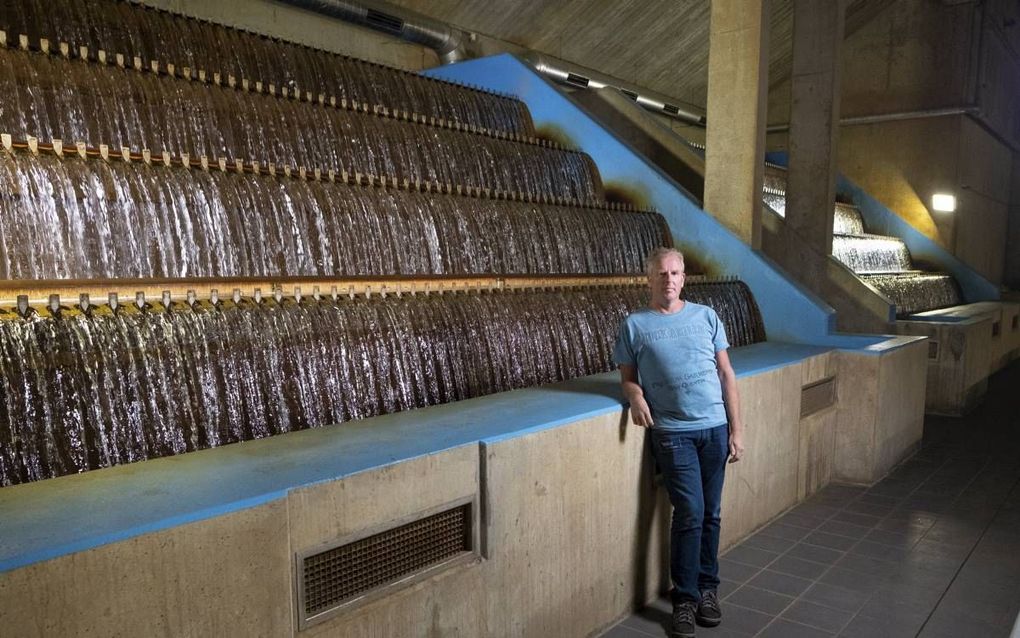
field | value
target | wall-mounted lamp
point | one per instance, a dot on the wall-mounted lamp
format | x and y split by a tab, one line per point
943	202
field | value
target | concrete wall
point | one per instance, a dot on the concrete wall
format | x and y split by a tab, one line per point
572	529
296	25
902	163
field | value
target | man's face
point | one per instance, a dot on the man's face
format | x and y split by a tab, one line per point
666	278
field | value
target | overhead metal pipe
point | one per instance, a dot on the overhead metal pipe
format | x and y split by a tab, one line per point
445	40
449	43
583	78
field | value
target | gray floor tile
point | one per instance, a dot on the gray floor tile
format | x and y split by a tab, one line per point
816	510
766	602
905	539
849	579
879	550
840	598
770	543
869	627
785	629
622	631
798	567
743	620
815	553
751	556
735	572
832	541
878	499
789	532
814	615
651	622
843	528
877	568
863	520
869	509
801	520
780	583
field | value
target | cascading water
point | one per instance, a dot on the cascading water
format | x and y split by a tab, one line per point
882	261
81	391
80	219
94	103
120	27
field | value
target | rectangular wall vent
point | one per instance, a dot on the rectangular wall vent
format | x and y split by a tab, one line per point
1016	323
817	396
672	110
933	349
996	328
631	94
347	574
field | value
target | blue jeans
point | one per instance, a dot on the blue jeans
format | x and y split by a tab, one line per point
693	466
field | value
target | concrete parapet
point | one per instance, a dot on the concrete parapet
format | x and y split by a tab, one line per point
967	344
570	523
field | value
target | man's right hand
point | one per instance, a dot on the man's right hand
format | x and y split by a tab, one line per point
640	413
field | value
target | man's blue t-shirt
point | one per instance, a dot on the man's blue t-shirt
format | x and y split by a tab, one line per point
675	358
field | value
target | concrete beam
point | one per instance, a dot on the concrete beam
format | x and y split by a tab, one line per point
814	119
737	91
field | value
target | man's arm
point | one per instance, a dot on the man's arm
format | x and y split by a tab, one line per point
728	380
639	411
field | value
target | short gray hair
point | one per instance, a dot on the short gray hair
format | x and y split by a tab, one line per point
659	254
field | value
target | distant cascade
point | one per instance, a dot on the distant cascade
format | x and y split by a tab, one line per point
847	220
84	391
81	219
871	253
91	103
880	260
917	292
120	27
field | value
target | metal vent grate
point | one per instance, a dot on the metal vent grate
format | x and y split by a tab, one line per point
933	349
384	21
996	328
1016	323
817	396
340	574
577	80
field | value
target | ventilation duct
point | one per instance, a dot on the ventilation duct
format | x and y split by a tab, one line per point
408	26
578	76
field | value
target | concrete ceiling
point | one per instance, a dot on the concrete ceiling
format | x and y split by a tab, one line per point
657	44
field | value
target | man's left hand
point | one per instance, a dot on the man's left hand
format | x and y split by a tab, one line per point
736	446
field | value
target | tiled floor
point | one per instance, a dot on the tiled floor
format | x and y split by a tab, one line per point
932	550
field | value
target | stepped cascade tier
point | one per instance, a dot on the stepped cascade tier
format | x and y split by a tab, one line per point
154	155
84	390
219	53
127	108
883	262
79	219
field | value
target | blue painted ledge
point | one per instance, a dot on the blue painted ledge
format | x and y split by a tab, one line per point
44	520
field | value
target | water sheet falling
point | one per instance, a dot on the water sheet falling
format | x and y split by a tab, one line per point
117	26
871	253
82	391
917	292
81	219
52	97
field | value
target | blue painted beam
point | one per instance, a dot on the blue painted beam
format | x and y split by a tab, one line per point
791	312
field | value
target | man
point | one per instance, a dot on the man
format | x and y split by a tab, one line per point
677	376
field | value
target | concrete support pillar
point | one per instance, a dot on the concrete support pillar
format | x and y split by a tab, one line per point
1011	274
735	138
814	120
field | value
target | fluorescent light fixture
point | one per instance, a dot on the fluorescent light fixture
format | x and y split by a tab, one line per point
943	202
